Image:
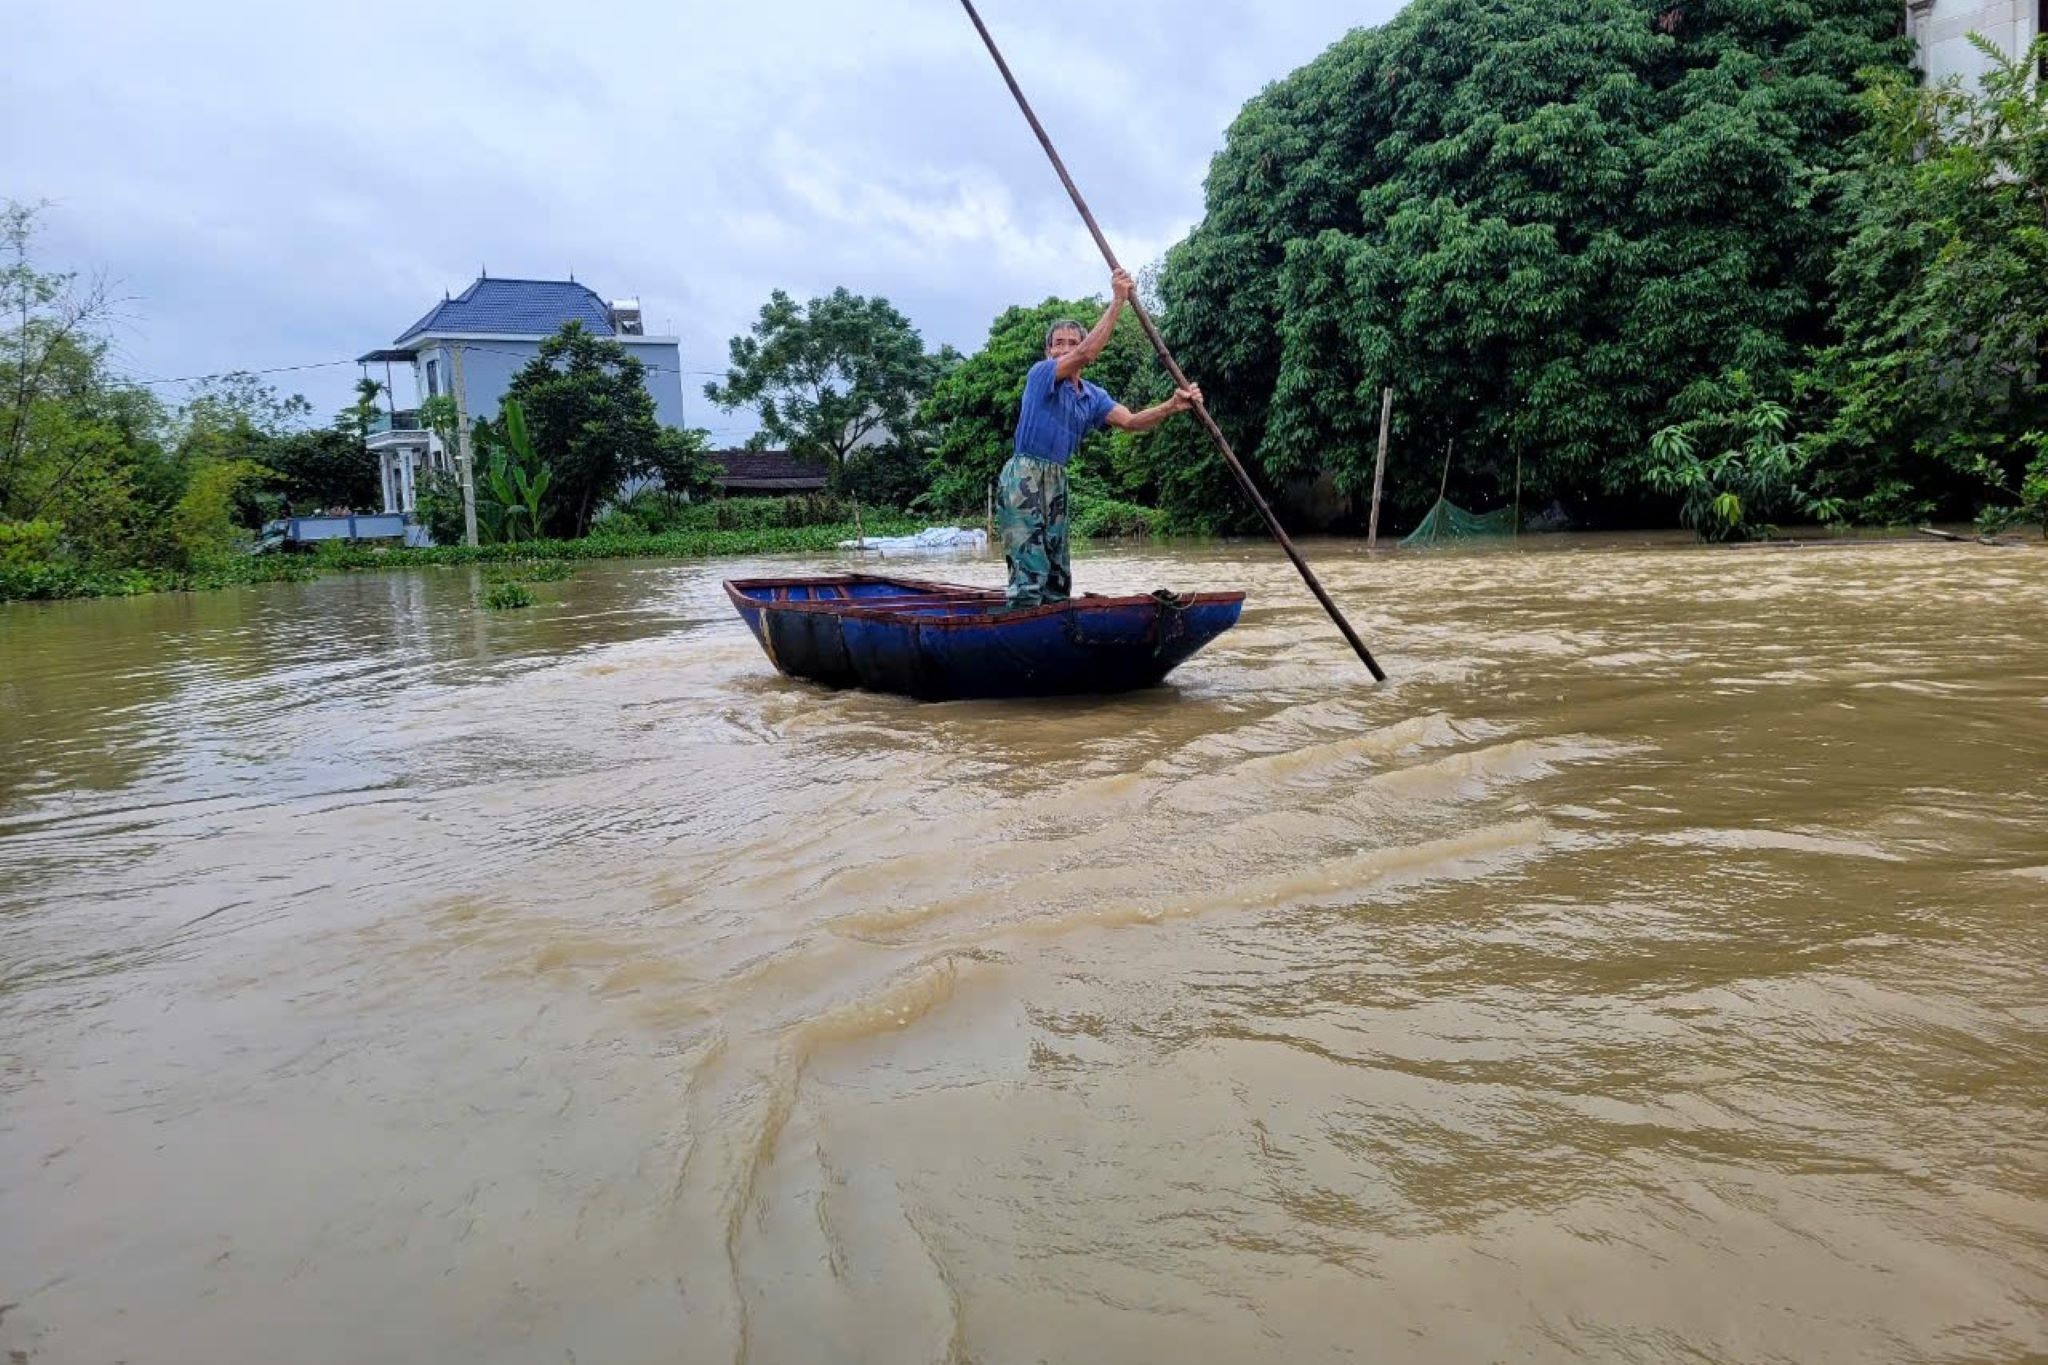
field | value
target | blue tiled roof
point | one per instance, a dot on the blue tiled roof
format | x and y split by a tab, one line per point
515	306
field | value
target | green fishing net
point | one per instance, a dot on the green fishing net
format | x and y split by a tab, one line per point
1447	522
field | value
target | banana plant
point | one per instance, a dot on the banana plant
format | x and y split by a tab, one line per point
513	481
531	477
499	509
520	493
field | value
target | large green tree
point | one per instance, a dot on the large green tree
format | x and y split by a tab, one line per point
1539	221
330	466
94	472
830	376
972	412
1937	393
591	420
239	417
76	445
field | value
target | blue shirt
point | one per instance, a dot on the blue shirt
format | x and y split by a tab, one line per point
1055	418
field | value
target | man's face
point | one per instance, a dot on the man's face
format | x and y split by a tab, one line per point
1064	340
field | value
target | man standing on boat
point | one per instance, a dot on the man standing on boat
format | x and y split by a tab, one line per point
1059	411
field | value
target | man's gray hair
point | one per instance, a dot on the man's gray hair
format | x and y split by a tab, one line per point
1063	325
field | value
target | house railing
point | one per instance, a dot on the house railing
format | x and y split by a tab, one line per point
405	419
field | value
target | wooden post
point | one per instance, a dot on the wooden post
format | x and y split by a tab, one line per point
462	452
1518	492
1379	469
860	537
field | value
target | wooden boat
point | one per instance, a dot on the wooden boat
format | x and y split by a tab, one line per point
941	641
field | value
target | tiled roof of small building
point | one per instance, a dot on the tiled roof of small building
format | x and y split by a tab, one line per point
768	469
515	307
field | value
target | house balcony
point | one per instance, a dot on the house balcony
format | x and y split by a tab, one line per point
400	431
405	419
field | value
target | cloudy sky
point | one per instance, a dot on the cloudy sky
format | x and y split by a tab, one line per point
274	184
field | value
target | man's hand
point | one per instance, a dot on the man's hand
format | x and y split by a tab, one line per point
1123	419
1069	365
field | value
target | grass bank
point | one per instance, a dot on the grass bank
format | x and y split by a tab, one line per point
51	581
693	544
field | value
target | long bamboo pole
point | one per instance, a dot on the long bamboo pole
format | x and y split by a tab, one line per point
1166	356
1379	468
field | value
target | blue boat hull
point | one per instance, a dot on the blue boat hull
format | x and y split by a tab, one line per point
943	642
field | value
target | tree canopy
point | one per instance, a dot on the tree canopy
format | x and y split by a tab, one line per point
830	376
97	475
1936	391
592	423
1539	221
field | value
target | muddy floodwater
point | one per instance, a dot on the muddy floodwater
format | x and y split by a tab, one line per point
1656	969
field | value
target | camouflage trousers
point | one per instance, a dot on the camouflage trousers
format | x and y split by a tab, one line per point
1032	519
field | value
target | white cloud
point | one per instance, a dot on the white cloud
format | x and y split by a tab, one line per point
281	184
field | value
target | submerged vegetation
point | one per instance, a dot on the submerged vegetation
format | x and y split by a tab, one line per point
507	596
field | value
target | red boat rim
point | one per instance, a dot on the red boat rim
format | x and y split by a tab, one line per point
937	594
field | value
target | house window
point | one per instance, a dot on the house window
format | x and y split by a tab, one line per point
433	379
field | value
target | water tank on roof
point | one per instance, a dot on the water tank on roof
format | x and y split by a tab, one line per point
626	318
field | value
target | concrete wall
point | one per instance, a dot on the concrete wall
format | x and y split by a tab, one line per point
1941	28
488	367
664	362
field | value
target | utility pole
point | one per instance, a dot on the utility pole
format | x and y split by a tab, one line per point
1379	469
462	451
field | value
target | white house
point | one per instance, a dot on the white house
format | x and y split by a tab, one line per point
498	325
1941	28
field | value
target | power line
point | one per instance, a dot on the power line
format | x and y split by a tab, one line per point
331	364
225	374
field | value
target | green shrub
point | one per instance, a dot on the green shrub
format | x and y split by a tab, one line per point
440	507
530	571
651	511
674	545
1111	519
48	582
2034	491
548	571
888	475
202	525
508	597
618	522
24	544
2032	494
52	581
